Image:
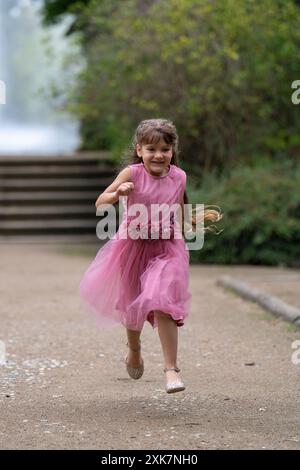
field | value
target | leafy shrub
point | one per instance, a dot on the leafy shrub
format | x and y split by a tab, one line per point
261	219
220	70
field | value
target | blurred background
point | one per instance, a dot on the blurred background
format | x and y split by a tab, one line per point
32	60
80	75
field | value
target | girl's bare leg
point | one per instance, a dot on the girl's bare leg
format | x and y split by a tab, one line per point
133	358
168	334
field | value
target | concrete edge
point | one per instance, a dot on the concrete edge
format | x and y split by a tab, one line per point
270	303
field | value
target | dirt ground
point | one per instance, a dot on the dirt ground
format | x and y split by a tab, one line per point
64	384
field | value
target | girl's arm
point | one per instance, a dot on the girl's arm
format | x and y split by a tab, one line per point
115	190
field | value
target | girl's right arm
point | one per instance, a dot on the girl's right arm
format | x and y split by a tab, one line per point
121	186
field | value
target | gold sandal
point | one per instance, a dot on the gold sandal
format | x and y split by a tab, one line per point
135	372
175	385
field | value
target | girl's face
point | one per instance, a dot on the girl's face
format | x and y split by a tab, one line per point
156	157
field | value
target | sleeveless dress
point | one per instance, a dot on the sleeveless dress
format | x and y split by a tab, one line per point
131	278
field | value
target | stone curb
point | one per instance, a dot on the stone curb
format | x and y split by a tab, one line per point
273	304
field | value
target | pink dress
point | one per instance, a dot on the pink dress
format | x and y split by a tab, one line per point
131	278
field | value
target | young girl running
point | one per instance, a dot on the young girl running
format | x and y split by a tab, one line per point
133	280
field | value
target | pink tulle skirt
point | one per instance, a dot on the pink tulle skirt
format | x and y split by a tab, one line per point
129	279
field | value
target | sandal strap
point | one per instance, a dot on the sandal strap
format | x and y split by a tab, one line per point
172	368
134	350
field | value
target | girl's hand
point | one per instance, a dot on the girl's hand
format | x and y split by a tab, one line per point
125	188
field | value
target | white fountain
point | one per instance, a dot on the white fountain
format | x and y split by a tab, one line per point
30	64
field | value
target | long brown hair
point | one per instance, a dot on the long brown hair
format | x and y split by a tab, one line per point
151	131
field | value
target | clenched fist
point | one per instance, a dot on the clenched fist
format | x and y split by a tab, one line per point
125	188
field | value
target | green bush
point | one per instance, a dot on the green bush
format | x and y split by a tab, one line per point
220	70
261	218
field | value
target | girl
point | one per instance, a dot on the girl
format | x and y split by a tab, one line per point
133	280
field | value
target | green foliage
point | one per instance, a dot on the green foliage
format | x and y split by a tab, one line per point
222	71
261	207
53	10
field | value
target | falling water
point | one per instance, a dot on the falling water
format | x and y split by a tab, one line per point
30	64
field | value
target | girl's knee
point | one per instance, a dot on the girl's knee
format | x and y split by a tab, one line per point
159	313
163	315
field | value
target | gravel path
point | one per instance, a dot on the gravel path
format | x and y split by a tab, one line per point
64	385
